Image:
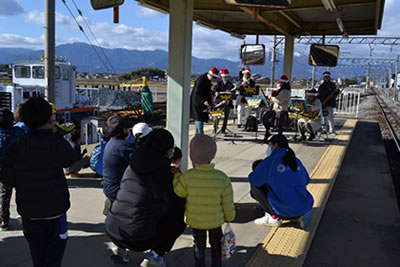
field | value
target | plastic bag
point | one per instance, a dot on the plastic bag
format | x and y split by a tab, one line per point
228	242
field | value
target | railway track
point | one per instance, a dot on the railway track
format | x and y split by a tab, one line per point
391	118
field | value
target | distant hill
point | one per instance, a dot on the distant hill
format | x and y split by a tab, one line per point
84	57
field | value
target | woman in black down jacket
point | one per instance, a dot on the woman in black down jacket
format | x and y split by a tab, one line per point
146	213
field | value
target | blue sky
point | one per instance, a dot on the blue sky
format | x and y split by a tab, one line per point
21	25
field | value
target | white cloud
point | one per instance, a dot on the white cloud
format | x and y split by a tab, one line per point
143	12
18	41
10	8
35	16
215	44
123	36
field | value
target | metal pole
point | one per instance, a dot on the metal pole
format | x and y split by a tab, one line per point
313	77
273	60
49	54
367	78
390	75
396	77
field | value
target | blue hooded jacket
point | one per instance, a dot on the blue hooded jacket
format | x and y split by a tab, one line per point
8	137
287	191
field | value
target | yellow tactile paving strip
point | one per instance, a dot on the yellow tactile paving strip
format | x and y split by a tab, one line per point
288	245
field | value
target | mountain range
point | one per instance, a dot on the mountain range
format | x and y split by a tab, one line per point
86	58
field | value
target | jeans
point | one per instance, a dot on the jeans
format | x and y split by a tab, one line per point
46	246
198	127
200	238
5	198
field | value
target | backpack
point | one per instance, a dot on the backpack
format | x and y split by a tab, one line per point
94	157
251	124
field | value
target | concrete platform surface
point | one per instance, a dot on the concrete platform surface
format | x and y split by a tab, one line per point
88	245
361	222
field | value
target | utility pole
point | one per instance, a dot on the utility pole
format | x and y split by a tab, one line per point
395	78
313	77
367	78
273	60
49	50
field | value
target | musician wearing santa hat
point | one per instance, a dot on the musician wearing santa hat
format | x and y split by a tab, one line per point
201	98
327	95
242	107
280	99
310	120
224	85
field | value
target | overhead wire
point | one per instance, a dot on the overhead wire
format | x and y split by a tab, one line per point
87	38
94	37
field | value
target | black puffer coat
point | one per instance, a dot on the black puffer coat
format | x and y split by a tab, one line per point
144	196
34	166
201	92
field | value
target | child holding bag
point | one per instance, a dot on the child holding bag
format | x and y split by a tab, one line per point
209	196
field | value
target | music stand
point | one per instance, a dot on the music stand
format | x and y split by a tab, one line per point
219	113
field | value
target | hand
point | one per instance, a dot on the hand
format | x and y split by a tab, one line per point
216	93
206	103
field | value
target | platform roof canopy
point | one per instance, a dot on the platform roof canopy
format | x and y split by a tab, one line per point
299	18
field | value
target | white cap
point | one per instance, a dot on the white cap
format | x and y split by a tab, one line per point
141	128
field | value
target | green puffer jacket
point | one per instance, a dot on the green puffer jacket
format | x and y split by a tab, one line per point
209	196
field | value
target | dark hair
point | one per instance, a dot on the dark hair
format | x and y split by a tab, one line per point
290	157
17	113
255	164
6	118
36	112
116	126
160	140
177	154
75	136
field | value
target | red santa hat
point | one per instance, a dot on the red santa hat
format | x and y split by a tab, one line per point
214	72
327	74
246	70
312	92
224	72
284	79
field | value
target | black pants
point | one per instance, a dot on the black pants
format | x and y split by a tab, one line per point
170	227
5	198
46	246
200	238
260	194
227	111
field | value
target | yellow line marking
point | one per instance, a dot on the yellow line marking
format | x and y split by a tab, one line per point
288	246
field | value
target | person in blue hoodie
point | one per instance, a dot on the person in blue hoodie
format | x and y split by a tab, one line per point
9	135
279	184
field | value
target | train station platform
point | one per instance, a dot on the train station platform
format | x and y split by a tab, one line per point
257	245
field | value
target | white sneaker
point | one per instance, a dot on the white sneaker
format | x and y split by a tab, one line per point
267	220
153	260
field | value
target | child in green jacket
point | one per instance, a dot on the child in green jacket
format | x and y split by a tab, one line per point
209	199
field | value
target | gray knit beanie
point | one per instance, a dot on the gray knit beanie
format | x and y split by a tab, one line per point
202	149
